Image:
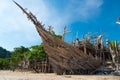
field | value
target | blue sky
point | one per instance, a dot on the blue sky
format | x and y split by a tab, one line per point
80	16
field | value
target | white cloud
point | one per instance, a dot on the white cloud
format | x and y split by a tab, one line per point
83	9
73	10
16	30
3	6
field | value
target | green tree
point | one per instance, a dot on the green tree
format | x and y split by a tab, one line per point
4	53
113	46
4	63
18	55
4	58
36	52
54	34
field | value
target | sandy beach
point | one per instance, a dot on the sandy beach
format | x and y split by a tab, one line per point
10	75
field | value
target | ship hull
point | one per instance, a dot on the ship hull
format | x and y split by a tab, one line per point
63	57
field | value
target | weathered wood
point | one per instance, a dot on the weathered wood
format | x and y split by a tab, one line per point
62	56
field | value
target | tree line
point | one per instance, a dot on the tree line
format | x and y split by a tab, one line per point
9	60
13	59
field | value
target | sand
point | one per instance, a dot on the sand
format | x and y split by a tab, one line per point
10	75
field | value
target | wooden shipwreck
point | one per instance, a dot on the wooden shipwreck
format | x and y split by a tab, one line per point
63	57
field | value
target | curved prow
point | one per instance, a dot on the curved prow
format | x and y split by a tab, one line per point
30	16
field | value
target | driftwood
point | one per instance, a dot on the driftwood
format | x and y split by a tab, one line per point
63	57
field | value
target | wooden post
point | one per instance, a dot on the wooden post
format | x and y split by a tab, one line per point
45	64
64	32
50	28
42	66
85	50
48	67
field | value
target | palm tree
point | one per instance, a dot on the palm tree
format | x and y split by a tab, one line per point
113	46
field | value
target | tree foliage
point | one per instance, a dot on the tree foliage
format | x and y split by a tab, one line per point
4	58
18	55
54	34
4	63
37	52
4	53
